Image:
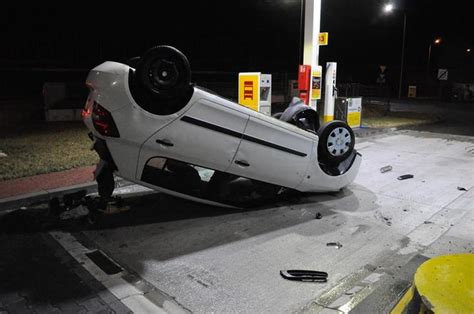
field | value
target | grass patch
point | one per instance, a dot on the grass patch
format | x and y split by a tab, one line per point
375	116
45	148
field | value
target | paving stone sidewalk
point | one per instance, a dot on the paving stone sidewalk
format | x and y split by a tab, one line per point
46	181
38	276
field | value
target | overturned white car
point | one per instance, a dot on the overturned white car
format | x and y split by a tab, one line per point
152	126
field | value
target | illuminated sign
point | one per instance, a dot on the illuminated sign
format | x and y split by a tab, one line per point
323	39
316	83
249	88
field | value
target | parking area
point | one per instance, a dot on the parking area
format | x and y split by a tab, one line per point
209	259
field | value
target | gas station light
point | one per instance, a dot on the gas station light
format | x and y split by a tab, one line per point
468	50
388	8
437	40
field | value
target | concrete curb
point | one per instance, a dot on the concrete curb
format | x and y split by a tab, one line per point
366	132
372	131
25	199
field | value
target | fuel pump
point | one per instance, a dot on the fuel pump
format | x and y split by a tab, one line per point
304	87
265	104
255	91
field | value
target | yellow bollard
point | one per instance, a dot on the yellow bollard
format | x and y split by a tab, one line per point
443	284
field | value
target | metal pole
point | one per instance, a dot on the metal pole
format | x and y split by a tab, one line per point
428	64
403	55
312	20
300	52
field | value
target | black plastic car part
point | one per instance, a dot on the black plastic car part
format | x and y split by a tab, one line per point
341	167
300	114
405	176
304	275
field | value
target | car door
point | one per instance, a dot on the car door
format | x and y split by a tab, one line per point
206	135
273	152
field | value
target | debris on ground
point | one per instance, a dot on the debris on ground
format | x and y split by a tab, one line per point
427	222
460	188
73	210
71	200
385	169
76	212
387	220
405	176
337	245
304	275
319	216
114	208
405	210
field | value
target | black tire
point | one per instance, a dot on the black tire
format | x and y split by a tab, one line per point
164	71
302	116
336	142
277	115
307	120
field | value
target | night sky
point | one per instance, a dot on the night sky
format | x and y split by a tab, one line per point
233	36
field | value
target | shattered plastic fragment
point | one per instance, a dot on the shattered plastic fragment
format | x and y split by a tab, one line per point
76	212
304	275
337	245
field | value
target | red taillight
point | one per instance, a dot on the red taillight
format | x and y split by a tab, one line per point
86	112
103	121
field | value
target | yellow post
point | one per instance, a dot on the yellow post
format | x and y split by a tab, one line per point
443	284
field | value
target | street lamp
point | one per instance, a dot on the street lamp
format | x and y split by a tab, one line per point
388	8
437	41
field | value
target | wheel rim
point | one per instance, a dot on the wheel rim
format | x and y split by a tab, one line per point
339	141
163	74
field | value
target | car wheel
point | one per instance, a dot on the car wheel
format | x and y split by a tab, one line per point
164	71
277	115
336	142
307	120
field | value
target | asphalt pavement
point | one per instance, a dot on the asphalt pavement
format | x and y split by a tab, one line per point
39	276
220	260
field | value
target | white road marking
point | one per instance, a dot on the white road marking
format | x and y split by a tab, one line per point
119	287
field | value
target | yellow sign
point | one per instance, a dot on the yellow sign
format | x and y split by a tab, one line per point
323	39
249	88
354	112
316	83
353	119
